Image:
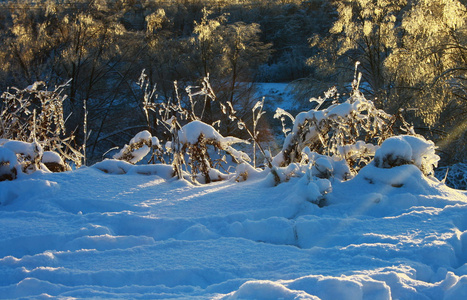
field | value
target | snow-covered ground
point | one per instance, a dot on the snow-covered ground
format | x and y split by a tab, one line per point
117	230
386	234
276	95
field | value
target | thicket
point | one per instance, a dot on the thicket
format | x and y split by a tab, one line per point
324	143
32	132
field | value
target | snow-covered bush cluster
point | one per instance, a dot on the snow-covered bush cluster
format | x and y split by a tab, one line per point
349	131
189	152
196	150
17	157
327	144
324	144
32	128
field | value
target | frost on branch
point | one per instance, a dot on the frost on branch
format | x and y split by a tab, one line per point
281	114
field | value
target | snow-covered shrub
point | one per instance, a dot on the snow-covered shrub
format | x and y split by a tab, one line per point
170	114
347	131
28	155
195	137
323	166
35	115
17	157
190	140
53	162
312	181
313	189
189	150
137	149
406	149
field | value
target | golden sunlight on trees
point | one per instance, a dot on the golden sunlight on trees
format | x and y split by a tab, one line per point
84	41
430	69
364	32
431	58
208	40
413	56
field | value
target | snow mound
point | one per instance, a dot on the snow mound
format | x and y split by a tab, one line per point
267	290
118	167
406	149
51	157
190	133
314	287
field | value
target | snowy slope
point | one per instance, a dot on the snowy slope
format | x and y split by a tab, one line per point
386	234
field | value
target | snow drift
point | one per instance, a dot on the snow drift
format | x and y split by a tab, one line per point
389	233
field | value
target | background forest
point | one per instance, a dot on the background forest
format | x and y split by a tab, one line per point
412	54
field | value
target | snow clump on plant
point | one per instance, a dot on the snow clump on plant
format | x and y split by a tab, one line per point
137	149
17	157
406	149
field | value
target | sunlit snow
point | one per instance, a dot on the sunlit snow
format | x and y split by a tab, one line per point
386	234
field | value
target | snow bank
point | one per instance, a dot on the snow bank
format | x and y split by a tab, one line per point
113	166
267	290
314	287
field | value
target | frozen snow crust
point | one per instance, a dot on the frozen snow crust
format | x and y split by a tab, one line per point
389	233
